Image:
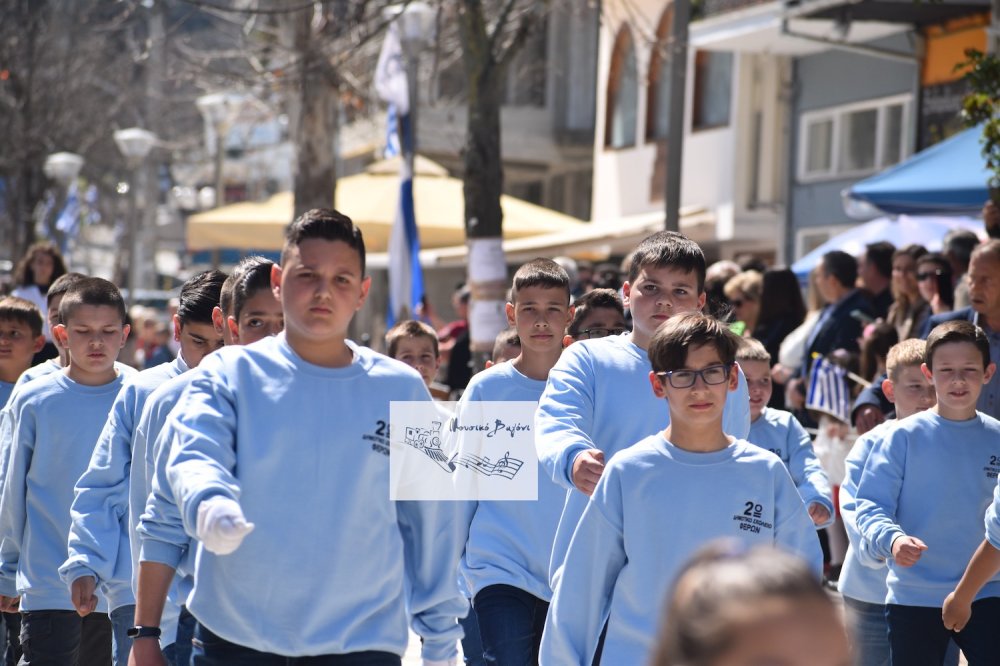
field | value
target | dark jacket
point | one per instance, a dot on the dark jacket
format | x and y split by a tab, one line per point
839	331
965	314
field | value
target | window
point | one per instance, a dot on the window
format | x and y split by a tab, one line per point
853	140
658	82
713	76
623	94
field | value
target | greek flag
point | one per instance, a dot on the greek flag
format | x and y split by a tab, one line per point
406	280
828	392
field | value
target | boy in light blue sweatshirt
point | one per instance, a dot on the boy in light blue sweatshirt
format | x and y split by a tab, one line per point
780	433
580	423
862	581
20	339
99	535
506	559
665	497
247	311
921	499
274	471
54	424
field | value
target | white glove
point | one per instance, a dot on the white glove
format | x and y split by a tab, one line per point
221	525
439	662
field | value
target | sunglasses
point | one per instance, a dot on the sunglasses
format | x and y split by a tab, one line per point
712	375
591	333
926	276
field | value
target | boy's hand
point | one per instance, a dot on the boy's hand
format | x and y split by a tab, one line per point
906	550
9	604
956	612
82	593
818	513
587	469
221	525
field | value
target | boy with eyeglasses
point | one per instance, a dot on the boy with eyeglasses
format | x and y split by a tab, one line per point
599	313
780	433
623	557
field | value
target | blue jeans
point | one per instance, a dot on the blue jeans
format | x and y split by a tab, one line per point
210	650
917	635
178	653
472	642
122	618
511	623
63	638
869	632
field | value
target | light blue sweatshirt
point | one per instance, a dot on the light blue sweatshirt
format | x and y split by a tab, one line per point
932	479
653	508
863	576
99	535
781	433
598	396
55	423
6	388
509	541
331	556
159	536
993	519
46	367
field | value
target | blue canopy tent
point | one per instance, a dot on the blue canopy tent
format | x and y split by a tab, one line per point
949	178
926	230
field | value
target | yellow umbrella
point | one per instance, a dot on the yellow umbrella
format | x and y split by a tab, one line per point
370	199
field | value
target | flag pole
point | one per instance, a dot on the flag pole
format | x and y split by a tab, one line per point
857	379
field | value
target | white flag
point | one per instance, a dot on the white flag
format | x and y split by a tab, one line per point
390	73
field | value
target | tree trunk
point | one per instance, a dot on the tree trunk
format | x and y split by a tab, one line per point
483	180
315	129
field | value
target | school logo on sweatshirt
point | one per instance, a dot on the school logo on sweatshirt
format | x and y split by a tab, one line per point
750	518
993	468
379	437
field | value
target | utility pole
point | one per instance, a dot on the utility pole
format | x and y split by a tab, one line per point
677	49
993	36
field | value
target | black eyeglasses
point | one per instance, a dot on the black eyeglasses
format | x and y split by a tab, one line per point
926	276
591	333
712	375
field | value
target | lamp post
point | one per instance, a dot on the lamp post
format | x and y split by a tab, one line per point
134	144
219	110
416	30
63	168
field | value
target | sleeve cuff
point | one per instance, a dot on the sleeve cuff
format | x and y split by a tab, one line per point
161	552
70	571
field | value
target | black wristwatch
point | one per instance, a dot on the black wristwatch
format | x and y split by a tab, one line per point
143	632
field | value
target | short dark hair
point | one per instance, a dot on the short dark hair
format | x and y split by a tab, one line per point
410	328
841	266
540	273
327	224
593	300
91	291
959	244
505	338
669	347
199	297
880	256
62	284
668	249
22	311
752	349
251	276
957	331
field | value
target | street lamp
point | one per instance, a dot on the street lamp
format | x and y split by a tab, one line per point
63	168
219	110
134	144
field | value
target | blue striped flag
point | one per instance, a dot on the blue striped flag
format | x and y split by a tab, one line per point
828	390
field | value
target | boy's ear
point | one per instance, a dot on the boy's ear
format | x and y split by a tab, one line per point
276	281
177	328
366	284
702	299
658	389
126	329
890	390
626	290
734	373
234	329
927	372
988	375
59	333
567	340
218	321
39	343
509	309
